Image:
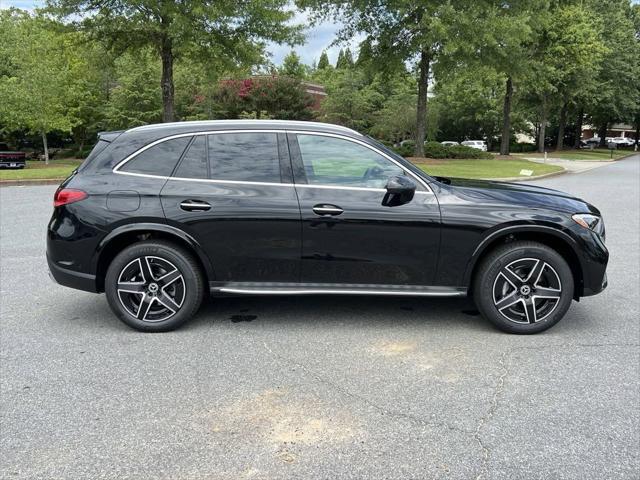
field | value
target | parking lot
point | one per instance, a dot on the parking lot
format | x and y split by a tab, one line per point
319	387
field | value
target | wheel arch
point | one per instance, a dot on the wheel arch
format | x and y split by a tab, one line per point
551	237
126	235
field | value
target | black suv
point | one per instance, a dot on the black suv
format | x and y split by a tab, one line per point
159	215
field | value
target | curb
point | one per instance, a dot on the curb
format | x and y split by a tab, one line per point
35	181
527	179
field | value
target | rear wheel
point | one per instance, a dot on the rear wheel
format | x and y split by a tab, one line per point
154	286
523	287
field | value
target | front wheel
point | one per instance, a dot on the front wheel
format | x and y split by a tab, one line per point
154	286
523	287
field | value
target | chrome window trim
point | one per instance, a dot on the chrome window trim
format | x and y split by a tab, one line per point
117	168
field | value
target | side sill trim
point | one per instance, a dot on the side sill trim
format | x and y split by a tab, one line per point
453	292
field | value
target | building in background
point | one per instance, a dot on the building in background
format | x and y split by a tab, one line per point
615	130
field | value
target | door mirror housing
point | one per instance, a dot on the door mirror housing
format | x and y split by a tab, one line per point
400	190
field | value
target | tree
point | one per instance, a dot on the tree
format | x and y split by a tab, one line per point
616	94
293	67
345	59
225	30
400	30
135	99
324	61
283	98
500	35
42	82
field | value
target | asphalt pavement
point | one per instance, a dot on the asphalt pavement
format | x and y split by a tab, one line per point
319	387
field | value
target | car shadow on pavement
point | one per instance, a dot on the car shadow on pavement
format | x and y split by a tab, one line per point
339	311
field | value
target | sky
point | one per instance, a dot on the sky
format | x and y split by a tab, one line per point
318	38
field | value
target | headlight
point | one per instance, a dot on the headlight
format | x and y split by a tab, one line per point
592	222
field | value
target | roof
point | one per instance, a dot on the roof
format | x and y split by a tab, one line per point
240	124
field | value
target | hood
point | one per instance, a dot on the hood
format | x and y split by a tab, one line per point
517	193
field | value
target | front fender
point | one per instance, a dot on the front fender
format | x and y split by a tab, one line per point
564	234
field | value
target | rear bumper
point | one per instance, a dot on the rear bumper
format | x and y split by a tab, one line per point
69	278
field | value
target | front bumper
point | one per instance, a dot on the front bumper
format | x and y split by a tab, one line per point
69	278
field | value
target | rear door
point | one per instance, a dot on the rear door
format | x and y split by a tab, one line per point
232	191
348	236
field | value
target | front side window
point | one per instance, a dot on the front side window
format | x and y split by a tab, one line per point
159	159
245	157
339	162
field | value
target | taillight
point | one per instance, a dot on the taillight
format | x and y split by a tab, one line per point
65	196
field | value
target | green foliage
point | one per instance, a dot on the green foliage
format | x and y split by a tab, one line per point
214	32
324	61
135	99
293	67
42	78
345	59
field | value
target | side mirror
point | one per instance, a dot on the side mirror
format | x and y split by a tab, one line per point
400	190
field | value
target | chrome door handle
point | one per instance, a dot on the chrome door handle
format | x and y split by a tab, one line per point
195	206
327	210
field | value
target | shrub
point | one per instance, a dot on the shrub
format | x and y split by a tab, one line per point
462	151
523	147
435	150
405	150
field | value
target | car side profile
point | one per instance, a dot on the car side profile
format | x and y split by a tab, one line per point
160	216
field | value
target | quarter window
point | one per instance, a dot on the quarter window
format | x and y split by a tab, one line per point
159	159
339	162
247	157
194	162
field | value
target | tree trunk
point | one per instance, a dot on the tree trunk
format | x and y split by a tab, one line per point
421	120
578	133
506	118
562	121
166	54
603	134
46	148
637	134
543	126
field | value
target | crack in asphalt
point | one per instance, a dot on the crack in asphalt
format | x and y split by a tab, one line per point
360	398
497	390
493	406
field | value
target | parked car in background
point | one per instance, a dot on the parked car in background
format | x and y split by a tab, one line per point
160	216
10	158
448	143
623	141
478	144
590	142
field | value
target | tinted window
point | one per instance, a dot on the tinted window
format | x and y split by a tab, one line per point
160	159
249	157
334	161
194	161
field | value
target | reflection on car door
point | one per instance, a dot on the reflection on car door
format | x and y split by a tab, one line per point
348	236
232	193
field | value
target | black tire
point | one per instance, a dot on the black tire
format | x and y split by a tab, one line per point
178	280
503	300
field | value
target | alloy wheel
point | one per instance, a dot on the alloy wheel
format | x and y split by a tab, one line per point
151	289
527	291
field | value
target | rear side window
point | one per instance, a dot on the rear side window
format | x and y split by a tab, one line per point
194	161
160	159
248	157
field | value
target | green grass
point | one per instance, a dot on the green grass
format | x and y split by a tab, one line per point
36	170
597	154
495	168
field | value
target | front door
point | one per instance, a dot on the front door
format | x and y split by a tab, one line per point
232	193
348	236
